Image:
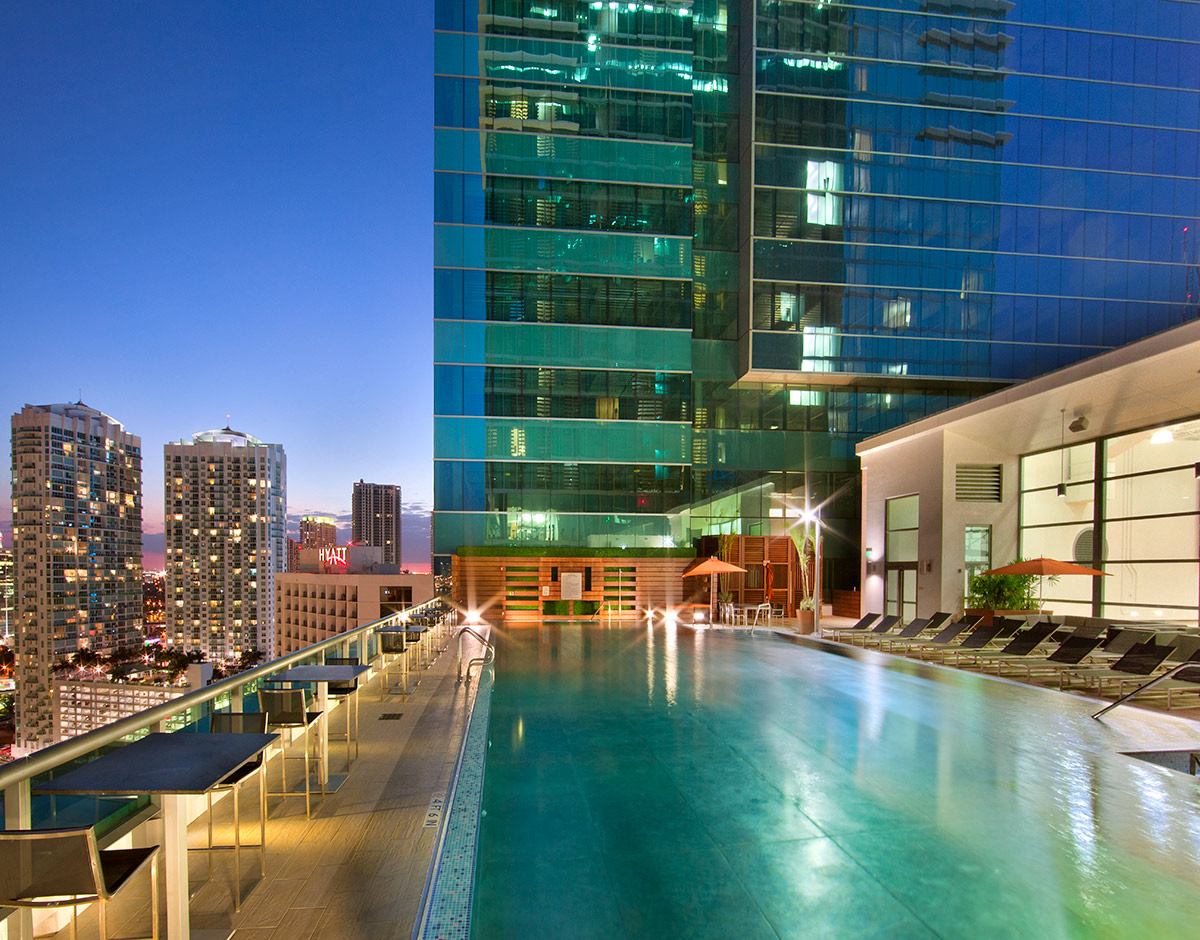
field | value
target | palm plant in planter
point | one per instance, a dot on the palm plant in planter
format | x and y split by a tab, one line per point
990	594
805	539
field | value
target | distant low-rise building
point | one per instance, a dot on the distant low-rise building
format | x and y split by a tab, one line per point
338	589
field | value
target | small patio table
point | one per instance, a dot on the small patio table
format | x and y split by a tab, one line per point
172	766
322	675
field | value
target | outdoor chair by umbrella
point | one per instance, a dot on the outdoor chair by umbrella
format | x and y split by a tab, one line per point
712	567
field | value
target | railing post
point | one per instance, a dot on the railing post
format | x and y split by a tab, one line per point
18	814
235	698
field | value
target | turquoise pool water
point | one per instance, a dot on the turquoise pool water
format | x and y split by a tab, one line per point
668	783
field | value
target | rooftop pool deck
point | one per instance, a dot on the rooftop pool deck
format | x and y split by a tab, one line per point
674	782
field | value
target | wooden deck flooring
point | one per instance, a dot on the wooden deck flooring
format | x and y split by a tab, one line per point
357	869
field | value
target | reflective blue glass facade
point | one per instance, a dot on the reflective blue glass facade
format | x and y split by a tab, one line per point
688	253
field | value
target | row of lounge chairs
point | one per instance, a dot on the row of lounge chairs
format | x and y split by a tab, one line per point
1090	657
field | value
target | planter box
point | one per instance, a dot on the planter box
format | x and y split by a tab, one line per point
989	616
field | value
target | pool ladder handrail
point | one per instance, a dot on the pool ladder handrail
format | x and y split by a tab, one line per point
488	657
1173	671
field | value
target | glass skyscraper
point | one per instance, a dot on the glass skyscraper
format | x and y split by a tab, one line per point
689	253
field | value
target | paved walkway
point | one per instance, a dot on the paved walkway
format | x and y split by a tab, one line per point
358	867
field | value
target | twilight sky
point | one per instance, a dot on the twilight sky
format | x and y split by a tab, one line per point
224	208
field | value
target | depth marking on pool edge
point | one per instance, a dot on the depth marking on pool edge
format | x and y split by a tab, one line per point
434	814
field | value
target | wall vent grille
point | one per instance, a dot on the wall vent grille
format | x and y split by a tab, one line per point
974	483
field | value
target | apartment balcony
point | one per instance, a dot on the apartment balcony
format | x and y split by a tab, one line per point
358	867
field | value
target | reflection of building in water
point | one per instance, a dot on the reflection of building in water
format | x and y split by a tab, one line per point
678	277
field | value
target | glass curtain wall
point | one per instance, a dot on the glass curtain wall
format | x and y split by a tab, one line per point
688	253
1137	521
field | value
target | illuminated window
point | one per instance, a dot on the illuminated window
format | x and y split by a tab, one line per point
898	313
823	184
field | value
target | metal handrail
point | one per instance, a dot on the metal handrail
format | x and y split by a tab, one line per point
482	660
18	772
1175	670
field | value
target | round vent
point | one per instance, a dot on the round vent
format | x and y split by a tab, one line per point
1084	552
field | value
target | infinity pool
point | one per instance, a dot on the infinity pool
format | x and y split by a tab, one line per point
668	783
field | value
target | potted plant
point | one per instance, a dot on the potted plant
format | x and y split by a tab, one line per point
805	540
989	595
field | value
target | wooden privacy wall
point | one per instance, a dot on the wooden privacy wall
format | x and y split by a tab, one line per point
750	552
517	589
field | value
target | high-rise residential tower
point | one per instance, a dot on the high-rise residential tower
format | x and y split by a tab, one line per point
318	532
8	610
226	508
77	547
376	518
687	254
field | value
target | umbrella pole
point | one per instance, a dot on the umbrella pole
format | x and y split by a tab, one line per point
712	598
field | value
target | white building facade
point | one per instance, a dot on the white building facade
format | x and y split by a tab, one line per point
1096	464
226	515
77	548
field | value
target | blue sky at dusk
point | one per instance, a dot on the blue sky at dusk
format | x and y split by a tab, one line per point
225	208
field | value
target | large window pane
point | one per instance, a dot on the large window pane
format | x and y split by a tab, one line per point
1165	537
902	513
1076	465
1173	446
1166	492
1061	542
1044	507
1141	590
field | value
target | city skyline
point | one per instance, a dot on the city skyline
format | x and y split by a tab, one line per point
188	191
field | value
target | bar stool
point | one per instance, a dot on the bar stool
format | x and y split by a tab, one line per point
288	708
240	723
48	868
347	691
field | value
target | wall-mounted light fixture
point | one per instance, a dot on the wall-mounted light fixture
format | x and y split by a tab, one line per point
1079	424
872	555
1062	454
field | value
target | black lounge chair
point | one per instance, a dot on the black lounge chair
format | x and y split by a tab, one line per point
1142	661
1071	652
885	624
934	623
1022	644
913	628
949	634
862	624
980	637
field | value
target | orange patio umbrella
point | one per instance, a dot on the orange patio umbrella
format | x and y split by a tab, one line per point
1046	568
712	567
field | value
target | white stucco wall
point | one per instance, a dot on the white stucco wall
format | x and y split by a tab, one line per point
926	465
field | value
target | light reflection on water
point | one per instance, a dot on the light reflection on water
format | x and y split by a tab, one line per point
851	794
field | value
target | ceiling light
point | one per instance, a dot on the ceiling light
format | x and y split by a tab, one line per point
1162	436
